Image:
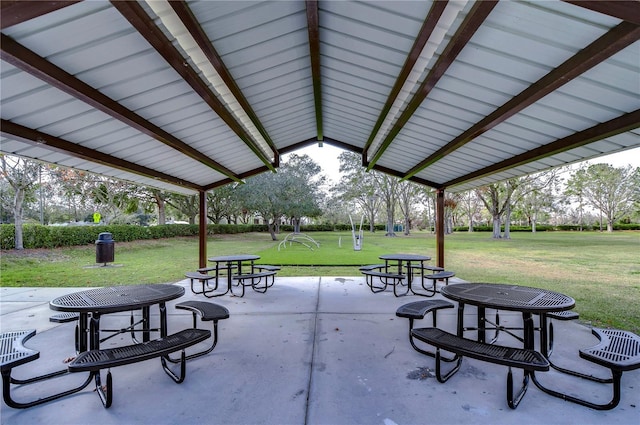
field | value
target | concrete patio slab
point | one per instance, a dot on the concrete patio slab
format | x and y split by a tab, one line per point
311	350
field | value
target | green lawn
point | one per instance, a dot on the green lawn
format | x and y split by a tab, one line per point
601	271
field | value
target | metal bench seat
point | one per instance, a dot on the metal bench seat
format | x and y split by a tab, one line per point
417	310
208	312
529	360
64	317
204	279
372	267
434	278
385	278
96	360
13	353
619	351
254	280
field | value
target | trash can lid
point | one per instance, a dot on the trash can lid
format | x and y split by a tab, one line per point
104	236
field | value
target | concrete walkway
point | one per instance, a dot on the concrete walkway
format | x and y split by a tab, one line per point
310	351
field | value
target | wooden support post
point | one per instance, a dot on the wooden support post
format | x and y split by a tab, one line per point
440	227
202	231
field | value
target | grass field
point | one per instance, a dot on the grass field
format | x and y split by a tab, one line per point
601	271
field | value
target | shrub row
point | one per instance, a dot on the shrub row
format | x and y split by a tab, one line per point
38	236
549	228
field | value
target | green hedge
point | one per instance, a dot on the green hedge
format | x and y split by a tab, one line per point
38	236
549	228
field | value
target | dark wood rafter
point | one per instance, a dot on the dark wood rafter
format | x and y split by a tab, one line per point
624	123
429	24
190	22
37	138
395	173
327	140
18	11
627	10
245	175
14	53
313	26
141	21
474	19
603	48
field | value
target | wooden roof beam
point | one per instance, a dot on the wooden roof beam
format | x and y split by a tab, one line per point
429	24
185	14
313	27
627	10
34	137
610	128
141	21
603	48
19	11
27	60
474	19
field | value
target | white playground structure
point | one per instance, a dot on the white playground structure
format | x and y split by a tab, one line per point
300	238
357	238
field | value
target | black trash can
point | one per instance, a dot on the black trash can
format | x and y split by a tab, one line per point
105	248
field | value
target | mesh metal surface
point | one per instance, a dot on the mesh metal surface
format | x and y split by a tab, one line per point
13	353
508	297
617	349
116	298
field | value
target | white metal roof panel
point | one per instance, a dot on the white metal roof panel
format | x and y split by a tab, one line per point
362	47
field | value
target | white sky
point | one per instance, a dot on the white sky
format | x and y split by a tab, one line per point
327	158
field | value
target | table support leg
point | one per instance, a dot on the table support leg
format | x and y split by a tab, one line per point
481	324
7	381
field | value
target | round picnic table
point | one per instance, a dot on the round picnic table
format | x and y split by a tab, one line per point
400	260
228	262
524	299
92	303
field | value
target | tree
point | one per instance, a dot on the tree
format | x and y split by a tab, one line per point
301	180
262	194
470	206
408	193
610	190
186	205
495	197
535	195
451	201
358	186
22	175
114	197
427	198
387	187
222	203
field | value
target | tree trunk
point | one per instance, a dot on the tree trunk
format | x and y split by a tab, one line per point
533	222
272	230
507	222
17	210
372	225
390	230
162	210
496	227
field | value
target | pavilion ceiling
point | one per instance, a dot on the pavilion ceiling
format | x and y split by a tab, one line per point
188	96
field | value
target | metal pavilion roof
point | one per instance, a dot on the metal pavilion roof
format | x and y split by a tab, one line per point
188	96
